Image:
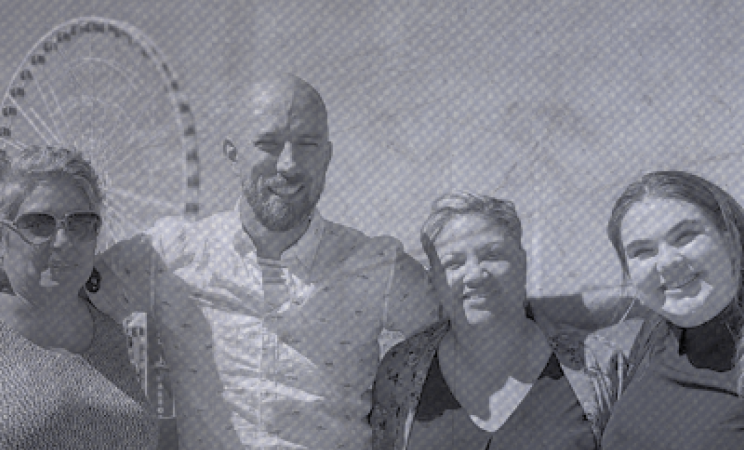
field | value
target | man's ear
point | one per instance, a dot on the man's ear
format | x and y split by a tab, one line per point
330	153
231	153
230	150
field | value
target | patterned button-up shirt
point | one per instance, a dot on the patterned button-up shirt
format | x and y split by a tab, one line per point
279	354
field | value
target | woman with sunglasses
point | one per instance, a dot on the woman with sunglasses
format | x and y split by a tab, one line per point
679	241
65	377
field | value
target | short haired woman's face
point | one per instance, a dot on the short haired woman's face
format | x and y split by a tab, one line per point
61	262
678	260
485	268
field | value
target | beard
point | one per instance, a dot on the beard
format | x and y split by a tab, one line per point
276	213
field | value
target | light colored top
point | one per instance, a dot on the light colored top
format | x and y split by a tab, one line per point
278	354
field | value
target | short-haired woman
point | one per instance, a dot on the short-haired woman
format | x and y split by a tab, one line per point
488	376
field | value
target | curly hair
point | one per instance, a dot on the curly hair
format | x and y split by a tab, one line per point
35	164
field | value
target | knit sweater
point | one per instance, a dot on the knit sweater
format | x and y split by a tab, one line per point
51	399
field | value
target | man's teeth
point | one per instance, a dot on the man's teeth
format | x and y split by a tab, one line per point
681	283
286	190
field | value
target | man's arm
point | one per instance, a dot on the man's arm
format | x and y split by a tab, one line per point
127	268
125	278
410	301
589	310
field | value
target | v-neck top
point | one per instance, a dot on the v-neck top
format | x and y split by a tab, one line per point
53	399
549	417
684	395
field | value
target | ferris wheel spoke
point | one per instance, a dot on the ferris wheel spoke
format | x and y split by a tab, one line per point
49	110
115	224
69	70
55	138
61	113
147	200
157	138
102	133
13	143
111	150
120	161
103	151
139	111
30	121
91	120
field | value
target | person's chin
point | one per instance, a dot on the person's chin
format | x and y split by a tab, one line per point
479	317
691	311
686	313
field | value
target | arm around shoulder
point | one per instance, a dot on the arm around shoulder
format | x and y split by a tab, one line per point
127	267
410	301
588	310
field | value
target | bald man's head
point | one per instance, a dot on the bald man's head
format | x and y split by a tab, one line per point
281	149
290	96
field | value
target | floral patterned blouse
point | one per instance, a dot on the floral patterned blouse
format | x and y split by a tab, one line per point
586	361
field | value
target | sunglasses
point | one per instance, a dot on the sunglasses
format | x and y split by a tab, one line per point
38	228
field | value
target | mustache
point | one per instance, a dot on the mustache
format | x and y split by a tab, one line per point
280	181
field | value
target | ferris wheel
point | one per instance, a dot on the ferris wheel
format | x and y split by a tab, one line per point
102	87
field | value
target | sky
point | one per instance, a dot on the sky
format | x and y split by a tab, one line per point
555	105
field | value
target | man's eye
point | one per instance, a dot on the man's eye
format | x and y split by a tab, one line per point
494	256
308	145
267	146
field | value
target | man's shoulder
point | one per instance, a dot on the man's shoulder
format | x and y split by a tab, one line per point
217	225
348	242
217	222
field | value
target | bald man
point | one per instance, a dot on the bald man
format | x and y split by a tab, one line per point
270	315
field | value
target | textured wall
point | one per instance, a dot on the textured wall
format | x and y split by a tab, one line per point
553	104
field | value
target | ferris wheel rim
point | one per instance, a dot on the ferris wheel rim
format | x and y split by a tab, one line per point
168	77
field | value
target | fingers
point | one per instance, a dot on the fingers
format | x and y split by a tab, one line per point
437	276
431	252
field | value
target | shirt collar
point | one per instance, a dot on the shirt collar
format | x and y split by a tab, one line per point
303	251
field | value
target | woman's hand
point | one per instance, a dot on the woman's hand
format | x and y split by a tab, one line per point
437	275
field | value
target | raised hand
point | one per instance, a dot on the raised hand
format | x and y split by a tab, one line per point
437	275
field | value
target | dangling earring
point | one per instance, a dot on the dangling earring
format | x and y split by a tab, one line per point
94	281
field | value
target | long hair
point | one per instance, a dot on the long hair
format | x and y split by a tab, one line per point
718	205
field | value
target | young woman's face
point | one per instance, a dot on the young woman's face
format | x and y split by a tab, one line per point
485	269
679	262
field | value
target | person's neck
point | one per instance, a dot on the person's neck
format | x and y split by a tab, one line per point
496	345
47	300
270	244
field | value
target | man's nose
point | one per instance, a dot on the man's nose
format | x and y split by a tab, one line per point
286	163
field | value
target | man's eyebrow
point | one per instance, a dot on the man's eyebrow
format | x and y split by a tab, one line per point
267	135
310	136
